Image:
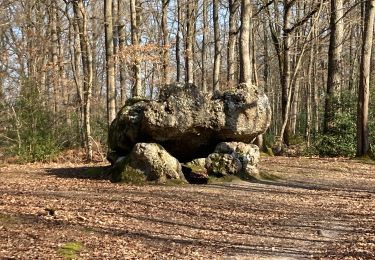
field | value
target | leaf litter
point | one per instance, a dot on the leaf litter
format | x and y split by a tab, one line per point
319	208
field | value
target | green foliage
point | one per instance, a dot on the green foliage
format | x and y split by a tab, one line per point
70	250
32	127
341	141
32	131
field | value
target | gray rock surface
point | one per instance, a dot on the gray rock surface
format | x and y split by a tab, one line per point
148	162
189	123
234	158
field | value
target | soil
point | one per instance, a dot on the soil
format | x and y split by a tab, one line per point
303	208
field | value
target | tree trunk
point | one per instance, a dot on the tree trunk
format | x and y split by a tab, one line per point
285	78
137	85
231	60
178	42
122	45
334	65
245	62
363	144
110	64
165	35
217	56
86	57
189	42
204	45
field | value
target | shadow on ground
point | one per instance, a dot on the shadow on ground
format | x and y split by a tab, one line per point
90	172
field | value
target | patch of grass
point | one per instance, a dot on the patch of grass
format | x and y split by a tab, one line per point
174	182
70	250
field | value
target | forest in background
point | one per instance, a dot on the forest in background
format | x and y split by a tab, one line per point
67	67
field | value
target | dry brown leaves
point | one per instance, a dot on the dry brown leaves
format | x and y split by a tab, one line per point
310	208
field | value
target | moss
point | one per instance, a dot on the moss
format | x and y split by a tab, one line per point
174	182
70	250
196	168
122	172
267	152
217	166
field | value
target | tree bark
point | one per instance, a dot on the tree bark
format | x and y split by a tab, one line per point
363	144
110	62
189	42
217	51
204	45
122	45
137	85
178	42
245	62
232	39
334	65
86	56
165	35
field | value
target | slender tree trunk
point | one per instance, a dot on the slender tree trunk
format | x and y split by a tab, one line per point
245	62
332	103
137	86
363	144
286	71
110	63
122	45
231	60
86	57
165	35
178	42
204	45
189	42
55	61
309	91
217	56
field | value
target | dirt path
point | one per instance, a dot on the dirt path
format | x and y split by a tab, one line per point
308	208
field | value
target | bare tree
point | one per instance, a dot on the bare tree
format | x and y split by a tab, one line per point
204	45
165	35
137	86
189	41
363	144
122	45
110	62
245	62
217	56
86	56
232	40
334	65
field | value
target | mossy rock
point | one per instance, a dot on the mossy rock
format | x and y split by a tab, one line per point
70	250
122	172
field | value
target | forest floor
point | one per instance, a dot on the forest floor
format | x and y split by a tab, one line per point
308	208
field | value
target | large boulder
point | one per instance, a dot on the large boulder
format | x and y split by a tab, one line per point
147	162
189	123
234	158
